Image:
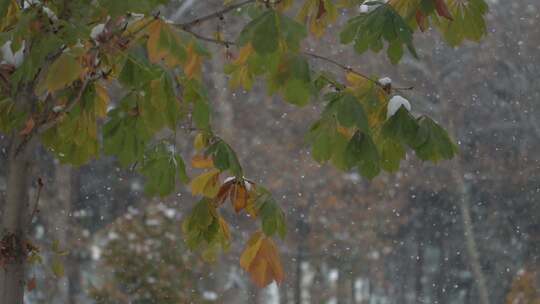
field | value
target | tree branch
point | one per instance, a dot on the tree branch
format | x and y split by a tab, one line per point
348	69
213	15
51	123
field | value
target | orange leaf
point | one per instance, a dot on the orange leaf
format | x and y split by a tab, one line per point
28	126
202	162
31	284
223	192
239	196
261	260
155	54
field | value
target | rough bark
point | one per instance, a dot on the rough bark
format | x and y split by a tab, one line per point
15	223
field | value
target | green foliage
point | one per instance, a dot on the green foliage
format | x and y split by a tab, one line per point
362	152
468	21
10	117
204	226
432	142
74	139
272	217
162	169
292	77
368	30
60	93
125	134
272	30
224	157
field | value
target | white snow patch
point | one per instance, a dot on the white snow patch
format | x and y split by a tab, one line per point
12	58
230	178
363	8
57	108
95	252
97	30
395	103
209	295
385	81
50	13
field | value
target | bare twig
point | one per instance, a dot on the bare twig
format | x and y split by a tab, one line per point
217	14
36	203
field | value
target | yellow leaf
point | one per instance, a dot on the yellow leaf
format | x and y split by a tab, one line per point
355	80
11	16
244	54
199	142
202	162
224	227
155	54
62	72
253	246
102	100
193	65
206	184
163	44
261	260
251	209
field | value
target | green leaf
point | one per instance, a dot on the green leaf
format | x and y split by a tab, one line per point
62	72
41	48
4	5
468	21
273	218
321	136
162	169
265	39
362	152
10	117
57	268
292	77
224	158
401	127
74	139
351	113
266	31
369	29
158	106
392	152
137	71
204	226
125	135
432	142
201	115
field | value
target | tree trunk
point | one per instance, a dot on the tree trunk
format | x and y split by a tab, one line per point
61	227
470	242
14	224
